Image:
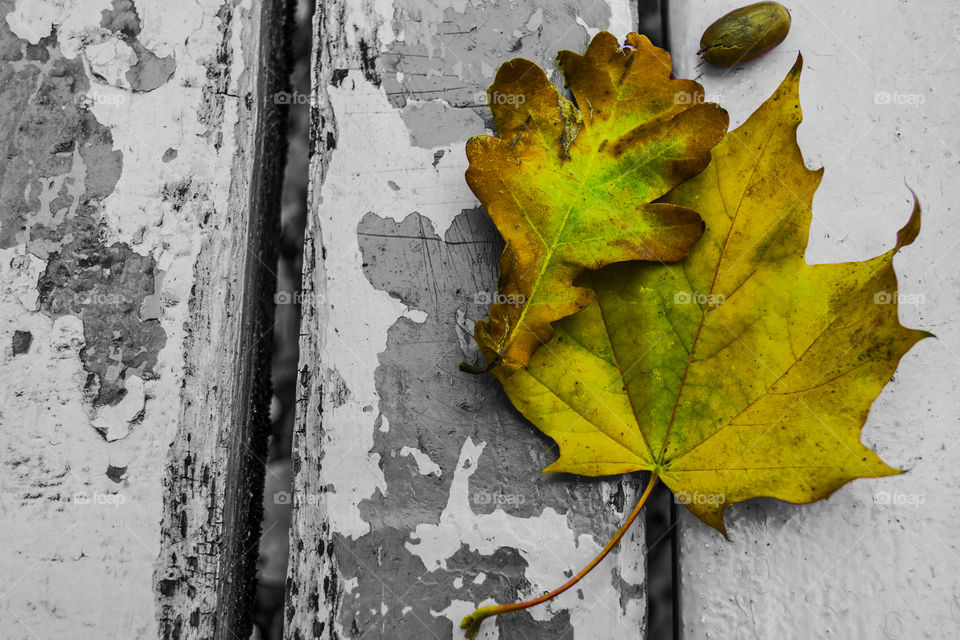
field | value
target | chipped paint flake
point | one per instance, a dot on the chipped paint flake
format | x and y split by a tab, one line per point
114	421
357	21
66	338
425	466
74	20
350	585
111	60
468	346
591	31
535	21
415	315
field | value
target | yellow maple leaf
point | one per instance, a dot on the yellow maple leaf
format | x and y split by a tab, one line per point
743	371
573	189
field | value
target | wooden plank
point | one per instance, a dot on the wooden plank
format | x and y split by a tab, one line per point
879	559
137	188
417	489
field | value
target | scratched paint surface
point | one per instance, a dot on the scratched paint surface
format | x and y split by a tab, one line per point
432	485
100	226
880	558
484	499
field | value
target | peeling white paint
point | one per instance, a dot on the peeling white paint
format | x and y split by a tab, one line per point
66	337
74	20
380	145
350	584
623	18
357	21
19	272
622	21
546	542
415	315
591	31
70	184
116	543
376	168
114	420
359	314
236	43
111	59
425	466
535	21
163	31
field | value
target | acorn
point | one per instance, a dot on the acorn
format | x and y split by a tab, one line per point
744	34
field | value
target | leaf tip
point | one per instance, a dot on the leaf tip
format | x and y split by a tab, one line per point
553	467
635	41
909	232
714	518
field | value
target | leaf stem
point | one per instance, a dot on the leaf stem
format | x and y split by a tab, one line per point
474	370
471	623
466	367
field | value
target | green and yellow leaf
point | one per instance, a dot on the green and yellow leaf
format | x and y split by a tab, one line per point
572	189
742	371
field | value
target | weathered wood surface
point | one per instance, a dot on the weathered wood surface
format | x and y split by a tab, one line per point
417	490
880	558
131	268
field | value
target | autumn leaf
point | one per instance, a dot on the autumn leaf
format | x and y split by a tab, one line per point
742	371
573	189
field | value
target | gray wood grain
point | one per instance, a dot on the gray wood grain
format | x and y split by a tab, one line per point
138	187
418	490
205	575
